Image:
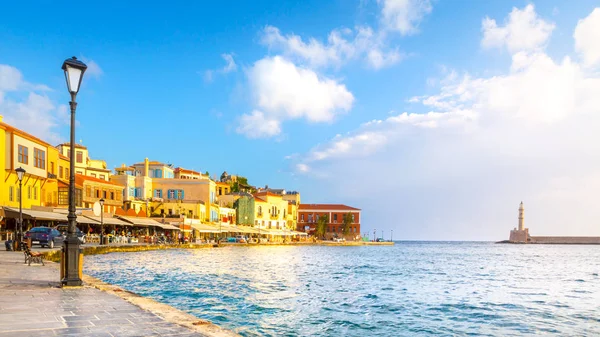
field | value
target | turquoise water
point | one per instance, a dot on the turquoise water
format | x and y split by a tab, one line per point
410	289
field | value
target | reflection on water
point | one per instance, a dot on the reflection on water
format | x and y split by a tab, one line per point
416	288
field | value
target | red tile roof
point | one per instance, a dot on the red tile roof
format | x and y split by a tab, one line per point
326	207
79	179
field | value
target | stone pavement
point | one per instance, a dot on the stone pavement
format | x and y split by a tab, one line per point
33	304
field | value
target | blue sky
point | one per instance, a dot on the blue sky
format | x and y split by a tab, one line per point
159	86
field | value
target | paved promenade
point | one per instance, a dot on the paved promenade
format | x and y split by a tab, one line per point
33	304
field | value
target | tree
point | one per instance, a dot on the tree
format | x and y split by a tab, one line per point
346	223
321	225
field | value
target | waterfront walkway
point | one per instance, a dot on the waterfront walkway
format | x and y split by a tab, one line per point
33	304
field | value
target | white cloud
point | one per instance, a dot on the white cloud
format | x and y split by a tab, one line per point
93	69
24	106
343	45
283	91
522	31
587	38
257	125
404	16
488	143
230	66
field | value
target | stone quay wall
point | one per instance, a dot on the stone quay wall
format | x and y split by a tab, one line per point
565	240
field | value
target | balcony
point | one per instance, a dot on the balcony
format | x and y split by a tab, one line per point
259	215
51	175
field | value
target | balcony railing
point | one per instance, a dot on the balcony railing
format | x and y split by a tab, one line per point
51	175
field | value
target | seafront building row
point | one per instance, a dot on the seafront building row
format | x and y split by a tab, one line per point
152	197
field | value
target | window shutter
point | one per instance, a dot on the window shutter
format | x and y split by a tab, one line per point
182	194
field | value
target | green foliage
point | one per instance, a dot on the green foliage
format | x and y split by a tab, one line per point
321	225
346	222
235	187
242	180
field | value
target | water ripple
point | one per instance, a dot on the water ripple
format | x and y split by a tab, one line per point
413	288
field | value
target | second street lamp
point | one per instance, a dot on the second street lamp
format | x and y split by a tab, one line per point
74	70
101	202
20	173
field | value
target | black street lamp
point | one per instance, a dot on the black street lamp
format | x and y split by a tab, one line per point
101	202
20	173
74	70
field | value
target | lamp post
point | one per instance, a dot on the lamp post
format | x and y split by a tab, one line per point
74	70
392	236
374	235
20	173
101	202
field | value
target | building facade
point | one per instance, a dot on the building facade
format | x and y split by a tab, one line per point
308	215
270	211
37	158
84	165
160	190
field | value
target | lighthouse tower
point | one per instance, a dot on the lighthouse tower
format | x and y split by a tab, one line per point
521	217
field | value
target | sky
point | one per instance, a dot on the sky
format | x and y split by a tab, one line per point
436	118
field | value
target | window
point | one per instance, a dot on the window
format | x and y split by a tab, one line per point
353	218
93	175
102	177
171	194
23	155
39	158
18	193
79	155
302	217
88	191
79	172
97	193
131	192
69	153
34	192
259	210
52	167
60	172
335	218
10	193
104	194
180	194
28	192
63	196
158	193
310	218
112	195
170	211
67	175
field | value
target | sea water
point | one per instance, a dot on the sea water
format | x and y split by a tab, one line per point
409	289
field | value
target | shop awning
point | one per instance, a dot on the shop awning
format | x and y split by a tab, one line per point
107	220
165	226
137	221
203	228
34	214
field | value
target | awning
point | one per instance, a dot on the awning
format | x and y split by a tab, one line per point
33	214
107	220
203	228
165	226
137	221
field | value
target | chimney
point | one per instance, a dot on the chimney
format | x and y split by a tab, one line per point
146	165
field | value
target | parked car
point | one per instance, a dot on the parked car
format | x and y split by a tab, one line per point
63	228
44	236
241	239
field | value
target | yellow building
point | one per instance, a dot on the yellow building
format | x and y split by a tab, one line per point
37	158
84	165
271	211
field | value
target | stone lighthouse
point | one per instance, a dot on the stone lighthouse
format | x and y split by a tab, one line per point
521	217
520	234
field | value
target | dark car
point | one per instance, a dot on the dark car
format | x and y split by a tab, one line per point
44	236
63	228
